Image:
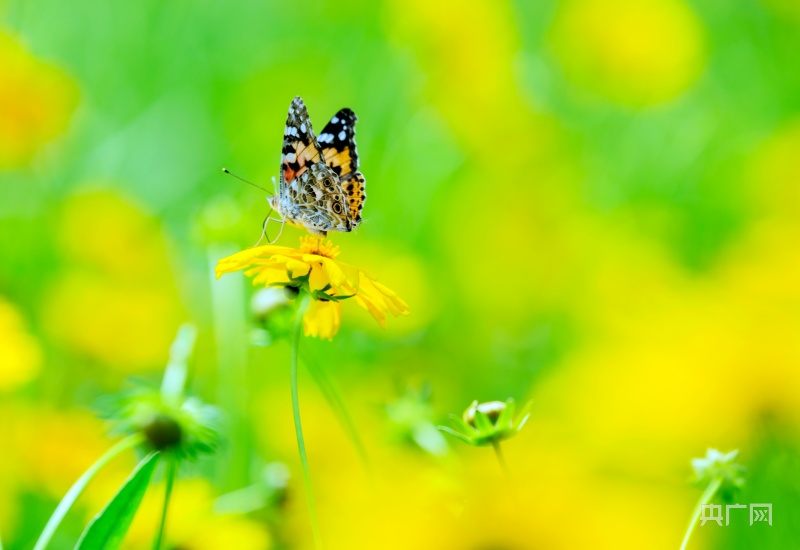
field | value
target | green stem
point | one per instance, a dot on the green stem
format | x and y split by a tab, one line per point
171	474
498	452
708	494
76	490
230	329
301	445
501	459
337	404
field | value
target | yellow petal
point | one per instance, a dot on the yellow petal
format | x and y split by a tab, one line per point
296	268
335	273
381	298
352	274
322	319
251	256
396	305
370	306
271	275
318	279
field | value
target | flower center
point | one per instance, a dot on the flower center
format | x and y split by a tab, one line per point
314	245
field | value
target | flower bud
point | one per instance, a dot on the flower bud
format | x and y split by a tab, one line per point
488	423
492	409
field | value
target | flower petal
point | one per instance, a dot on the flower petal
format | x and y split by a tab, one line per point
318	278
335	273
251	256
322	319
269	276
294	267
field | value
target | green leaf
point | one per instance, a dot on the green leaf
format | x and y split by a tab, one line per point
506	418
484	425
108	528
461	425
454	433
524	415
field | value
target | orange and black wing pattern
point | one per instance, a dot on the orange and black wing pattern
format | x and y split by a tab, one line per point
338	143
300	146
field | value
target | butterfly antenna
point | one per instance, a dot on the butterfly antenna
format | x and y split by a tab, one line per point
244	180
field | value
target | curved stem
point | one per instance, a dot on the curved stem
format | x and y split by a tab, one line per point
78	487
171	474
708	494
301	445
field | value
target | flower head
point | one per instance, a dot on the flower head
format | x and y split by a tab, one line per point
186	428
312	268
488	423
166	419
719	467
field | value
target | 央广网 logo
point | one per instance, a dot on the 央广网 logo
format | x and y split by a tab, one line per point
759	513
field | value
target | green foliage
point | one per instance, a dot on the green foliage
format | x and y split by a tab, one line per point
108	528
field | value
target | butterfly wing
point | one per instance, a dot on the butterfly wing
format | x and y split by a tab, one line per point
311	192
320	204
356	190
338	142
300	146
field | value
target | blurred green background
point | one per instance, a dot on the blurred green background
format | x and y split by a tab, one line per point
593	204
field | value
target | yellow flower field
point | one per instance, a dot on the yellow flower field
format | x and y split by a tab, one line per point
568	317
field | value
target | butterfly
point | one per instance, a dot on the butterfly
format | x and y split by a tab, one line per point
320	187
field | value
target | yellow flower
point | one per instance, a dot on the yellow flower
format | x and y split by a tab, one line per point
313	269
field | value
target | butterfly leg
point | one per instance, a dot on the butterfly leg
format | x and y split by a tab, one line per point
283	223
264	229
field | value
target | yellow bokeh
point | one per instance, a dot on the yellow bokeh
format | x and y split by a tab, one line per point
632	52
192	524
467	54
117	302
36	101
402	272
20	356
774	173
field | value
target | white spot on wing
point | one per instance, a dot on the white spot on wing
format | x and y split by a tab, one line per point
291	157
335	119
303	127
342	135
325	138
